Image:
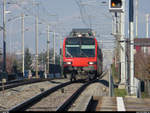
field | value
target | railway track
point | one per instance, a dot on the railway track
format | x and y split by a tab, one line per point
17	83
68	103
12	81
30	102
68	99
64	95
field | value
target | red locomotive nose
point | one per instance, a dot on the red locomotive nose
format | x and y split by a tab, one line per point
81	53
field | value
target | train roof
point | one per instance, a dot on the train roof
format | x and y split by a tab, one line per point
82	32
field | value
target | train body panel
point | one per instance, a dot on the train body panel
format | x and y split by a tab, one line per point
79	62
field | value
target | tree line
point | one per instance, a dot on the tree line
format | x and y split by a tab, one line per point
14	62
142	69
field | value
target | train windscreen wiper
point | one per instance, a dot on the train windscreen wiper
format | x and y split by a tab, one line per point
82	53
68	53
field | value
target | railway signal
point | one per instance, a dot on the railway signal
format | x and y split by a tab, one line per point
116	5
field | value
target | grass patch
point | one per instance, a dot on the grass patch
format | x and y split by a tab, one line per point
144	95
120	92
114	74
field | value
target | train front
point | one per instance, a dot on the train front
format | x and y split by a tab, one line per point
80	57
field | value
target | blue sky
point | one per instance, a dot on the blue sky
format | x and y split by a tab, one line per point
63	15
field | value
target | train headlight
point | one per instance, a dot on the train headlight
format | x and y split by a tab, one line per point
79	35
91	63
68	63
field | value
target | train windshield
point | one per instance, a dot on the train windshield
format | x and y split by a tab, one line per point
80	47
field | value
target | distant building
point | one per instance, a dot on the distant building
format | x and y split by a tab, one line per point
142	44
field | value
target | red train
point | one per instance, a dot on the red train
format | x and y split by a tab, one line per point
82	57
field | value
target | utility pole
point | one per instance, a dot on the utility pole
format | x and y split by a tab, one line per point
54	46
60	48
113	24
147	27
48	42
136	4
122	49
22	43
36	28
4	38
131	36
117	23
61	55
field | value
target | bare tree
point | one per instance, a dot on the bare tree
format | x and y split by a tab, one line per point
142	69
9	60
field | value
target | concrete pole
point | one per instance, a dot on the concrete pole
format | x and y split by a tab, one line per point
117	23
122	49
147	27
60	48
113	25
4	38
45	72
136	29
48	42
131	36
22	43
61	53
147	32
36	40
54	46
43	60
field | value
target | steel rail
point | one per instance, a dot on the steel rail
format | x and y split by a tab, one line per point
65	106
28	103
20	80
24	82
12	81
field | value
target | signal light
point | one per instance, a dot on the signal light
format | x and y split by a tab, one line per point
113	4
116	5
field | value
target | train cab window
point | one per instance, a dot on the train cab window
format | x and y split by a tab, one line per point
80	47
88	50
72	41
72	51
87	41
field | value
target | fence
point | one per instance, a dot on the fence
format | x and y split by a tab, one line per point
138	87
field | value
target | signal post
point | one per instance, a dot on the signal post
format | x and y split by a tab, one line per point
118	7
